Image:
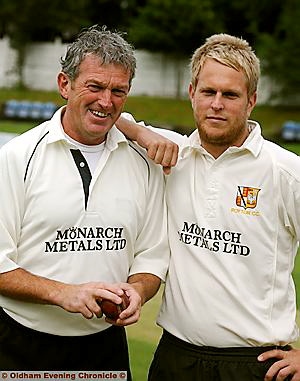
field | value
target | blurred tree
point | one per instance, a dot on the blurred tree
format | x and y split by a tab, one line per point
275	37
281	53
248	19
174	27
44	20
105	12
39	20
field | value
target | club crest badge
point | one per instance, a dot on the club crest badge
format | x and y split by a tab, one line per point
246	197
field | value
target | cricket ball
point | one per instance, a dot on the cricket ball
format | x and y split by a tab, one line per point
112	310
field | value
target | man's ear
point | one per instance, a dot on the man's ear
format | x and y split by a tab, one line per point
191	91
252	103
64	84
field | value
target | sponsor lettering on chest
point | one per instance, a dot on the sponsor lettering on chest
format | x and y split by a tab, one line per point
79	239
214	240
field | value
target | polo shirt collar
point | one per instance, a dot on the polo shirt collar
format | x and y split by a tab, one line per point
56	133
253	143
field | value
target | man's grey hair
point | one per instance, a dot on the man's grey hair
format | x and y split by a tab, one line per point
109	47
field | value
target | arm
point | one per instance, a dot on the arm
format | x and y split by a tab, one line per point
141	288
288	364
81	298
146	285
160	149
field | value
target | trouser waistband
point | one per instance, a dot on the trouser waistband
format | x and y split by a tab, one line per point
215	351
9	321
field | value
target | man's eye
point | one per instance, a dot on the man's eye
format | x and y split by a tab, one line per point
119	92
94	88
208	92
230	95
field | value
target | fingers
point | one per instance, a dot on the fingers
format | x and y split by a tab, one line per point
274	353
280	372
86	298
286	368
132	313
111	292
129	316
164	153
167	170
128	320
83	298
88	314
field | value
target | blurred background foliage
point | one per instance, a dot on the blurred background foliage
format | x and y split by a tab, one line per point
174	27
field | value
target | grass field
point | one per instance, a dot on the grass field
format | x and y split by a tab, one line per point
144	335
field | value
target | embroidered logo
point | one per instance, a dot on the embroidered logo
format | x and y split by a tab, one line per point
246	197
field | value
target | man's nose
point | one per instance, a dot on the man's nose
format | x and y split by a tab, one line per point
217	102
104	98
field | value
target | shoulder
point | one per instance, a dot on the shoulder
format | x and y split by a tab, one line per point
144	166
138	152
286	161
26	142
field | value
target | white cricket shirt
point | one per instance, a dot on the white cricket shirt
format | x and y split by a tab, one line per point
47	229
234	229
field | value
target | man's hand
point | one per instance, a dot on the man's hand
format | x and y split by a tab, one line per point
286	368
140	288
132	313
84	298
160	149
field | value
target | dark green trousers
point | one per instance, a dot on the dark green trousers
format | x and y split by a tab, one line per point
25	349
177	360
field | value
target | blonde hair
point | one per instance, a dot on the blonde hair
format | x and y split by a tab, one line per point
230	51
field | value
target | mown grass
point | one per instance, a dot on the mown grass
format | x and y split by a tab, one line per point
144	335
143	338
